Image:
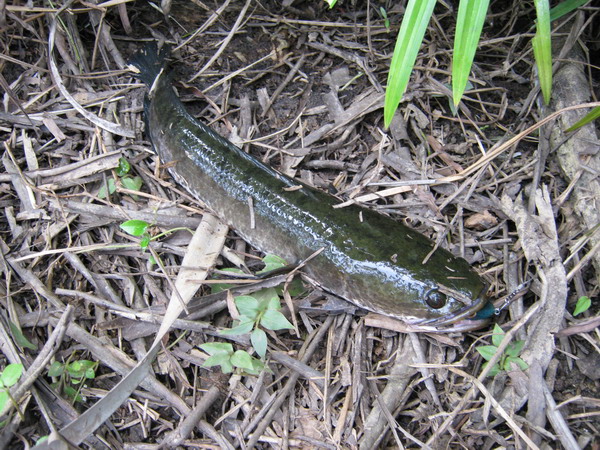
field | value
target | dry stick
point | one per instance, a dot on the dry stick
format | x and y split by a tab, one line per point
583	261
102	123
206	25
177	436
512	141
497	406
289	386
208	430
109	212
481	162
290	76
393	424
225	43
558	422
503	345
43	358
420	357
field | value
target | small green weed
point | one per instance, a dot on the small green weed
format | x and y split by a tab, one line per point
9	377
72	376
510	355
222	354
139	228
257	312
384	16
583	304
128	182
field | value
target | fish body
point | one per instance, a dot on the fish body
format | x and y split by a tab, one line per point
366	258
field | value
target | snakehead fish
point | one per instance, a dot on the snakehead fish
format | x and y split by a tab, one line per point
366	258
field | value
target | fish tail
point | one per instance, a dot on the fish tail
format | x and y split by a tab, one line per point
149	62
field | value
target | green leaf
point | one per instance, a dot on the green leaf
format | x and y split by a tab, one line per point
135	227
217	360
78	369
471	16
112	187
214	348
408	43
487	351
56	369
72	394
498	335
11	374
272	262
266	297
495	370
522	364
518	361
145	242
331	3
227	367
564	8
3	399
583	304
295	288
542	49
274	320
242	328
259	342
589	117
247	306
133	184
515	348
257	367
20	338
242	359
123	168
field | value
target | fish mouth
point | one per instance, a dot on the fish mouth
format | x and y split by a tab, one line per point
458	321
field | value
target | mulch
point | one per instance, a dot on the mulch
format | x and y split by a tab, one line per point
301	87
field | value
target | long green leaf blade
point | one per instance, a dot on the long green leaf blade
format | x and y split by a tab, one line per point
589	117
564	8
408	43
542	49
471	16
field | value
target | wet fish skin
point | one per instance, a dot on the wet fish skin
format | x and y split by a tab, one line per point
367	258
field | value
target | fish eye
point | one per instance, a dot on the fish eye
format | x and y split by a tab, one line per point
435	299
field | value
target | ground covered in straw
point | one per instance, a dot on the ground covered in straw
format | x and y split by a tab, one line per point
498	182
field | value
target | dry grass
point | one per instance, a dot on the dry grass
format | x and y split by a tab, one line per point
300	87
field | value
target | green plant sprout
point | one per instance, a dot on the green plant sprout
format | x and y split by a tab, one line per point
386	21
128	182
510	355
257	312
139	228
222	354
261	310
19	337
9	377
72	374
583	304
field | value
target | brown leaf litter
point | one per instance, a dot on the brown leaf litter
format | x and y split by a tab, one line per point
499	183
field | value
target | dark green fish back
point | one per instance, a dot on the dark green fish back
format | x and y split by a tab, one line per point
367	258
